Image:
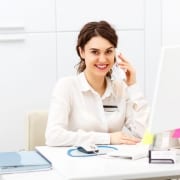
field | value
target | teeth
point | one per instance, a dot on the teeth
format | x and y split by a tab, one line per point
102	66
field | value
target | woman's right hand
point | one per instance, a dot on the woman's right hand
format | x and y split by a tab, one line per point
122	138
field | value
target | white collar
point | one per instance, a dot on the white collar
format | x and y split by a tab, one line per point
85	86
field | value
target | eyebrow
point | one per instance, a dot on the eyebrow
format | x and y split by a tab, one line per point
98	49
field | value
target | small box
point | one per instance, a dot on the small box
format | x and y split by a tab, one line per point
162	156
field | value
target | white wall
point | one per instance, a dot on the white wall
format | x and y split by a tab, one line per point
170	22
37	45
27	64
162	28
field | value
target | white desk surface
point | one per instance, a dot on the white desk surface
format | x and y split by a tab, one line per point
96	167
99	167
40	175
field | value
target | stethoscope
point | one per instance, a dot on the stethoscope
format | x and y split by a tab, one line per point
103	150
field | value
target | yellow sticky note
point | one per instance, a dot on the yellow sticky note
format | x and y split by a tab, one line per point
148	138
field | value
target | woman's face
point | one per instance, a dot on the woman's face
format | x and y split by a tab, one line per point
99	55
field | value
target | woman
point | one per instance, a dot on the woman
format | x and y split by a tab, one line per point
91	107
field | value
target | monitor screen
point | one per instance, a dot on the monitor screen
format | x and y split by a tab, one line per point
165	112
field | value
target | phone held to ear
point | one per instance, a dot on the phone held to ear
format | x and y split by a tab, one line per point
118	73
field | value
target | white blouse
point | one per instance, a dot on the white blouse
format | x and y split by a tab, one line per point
78	114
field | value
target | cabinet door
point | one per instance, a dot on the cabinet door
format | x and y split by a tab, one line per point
30	15
27	76
66	53
170	25
124	14
153	43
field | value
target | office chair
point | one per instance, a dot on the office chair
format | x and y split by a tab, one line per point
35	129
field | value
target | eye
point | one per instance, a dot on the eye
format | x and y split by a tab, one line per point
95	52
109	51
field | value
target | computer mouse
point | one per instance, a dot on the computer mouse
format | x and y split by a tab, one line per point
88	148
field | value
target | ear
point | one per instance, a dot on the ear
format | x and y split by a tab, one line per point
81	52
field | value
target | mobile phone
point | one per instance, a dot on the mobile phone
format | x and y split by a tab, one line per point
117	72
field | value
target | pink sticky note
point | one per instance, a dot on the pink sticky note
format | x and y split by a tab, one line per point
176	133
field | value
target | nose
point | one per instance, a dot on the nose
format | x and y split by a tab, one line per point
102	58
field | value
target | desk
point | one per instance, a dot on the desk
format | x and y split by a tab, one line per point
105	168
99	167
41	175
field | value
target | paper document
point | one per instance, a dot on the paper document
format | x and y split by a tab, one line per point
131	151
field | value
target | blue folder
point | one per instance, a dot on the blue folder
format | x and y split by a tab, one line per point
23	161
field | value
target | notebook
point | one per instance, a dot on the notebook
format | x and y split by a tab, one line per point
130	151
23	161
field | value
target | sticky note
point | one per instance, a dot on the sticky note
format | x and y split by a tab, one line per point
176	133
148	138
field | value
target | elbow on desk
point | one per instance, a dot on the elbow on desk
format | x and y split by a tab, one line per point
52	140
56	138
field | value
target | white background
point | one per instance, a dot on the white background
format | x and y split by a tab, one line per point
37	46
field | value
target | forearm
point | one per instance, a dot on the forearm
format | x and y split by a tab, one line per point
62	137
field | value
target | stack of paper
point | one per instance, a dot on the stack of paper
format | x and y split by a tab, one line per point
131	151
23	161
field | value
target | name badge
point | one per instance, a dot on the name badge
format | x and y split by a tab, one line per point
110	108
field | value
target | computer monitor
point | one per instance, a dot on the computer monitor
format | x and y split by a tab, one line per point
165	112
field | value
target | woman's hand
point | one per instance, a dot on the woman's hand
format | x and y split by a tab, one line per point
122	138
128	69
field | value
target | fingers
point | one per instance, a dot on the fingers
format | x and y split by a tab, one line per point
122	138
128	142
124	64
125	139
122	57
128	69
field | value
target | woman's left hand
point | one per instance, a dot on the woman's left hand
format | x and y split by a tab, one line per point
128	69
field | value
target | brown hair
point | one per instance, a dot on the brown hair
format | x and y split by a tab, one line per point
90	30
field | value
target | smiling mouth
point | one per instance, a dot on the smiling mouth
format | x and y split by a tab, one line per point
101	66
